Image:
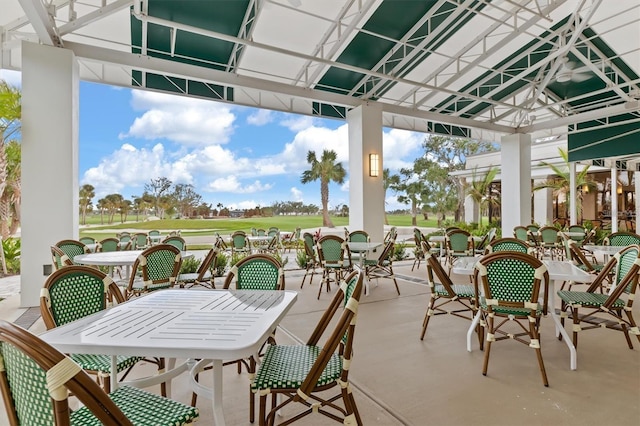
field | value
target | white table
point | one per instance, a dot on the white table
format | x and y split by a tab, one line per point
441	239
558	270
363	249
604	250
212	325
124	258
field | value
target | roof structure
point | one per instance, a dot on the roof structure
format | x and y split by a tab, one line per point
471	68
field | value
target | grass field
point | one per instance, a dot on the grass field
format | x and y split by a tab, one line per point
228	225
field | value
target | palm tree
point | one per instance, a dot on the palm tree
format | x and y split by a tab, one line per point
87	192
326	170
479	190
10	181
561	183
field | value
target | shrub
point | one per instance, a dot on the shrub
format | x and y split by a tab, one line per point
189	265
221	264
11	249
301	259
399	252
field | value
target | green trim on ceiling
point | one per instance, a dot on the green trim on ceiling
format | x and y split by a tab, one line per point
327	110
604	142
181	85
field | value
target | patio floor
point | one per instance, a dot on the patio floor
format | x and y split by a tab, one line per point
401	380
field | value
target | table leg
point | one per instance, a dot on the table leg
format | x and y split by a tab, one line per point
218	413
472	329
573	361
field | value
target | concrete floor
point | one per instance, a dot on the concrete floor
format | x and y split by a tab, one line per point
401	380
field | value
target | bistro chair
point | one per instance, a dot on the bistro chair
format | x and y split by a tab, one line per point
240	244
578	229
110	244
292	240
176	241
419	252
507	286
521	232
302	374
391	234
36	380
140	241
590	310
382	267
220	243
550	242
621	239
311	257
486	240
154	237
204	276
124	237
459	243
334	257
90	242
255	272
155	268
59	258
72	248
445	292
358	236
76	292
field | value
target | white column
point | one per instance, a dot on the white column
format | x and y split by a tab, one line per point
614	199
470	210
636	176
573	196
50	86
366	193
543	206
516	181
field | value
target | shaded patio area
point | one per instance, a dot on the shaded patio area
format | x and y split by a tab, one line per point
401	380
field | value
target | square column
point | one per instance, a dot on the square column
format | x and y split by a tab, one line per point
50	86
516	181
366	193
543	205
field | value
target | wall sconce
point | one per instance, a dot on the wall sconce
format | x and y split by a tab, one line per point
374	168
585	188
619	190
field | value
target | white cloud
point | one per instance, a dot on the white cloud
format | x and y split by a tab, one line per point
397	147
297	123
130	167
296	194
315	139
260	117
13	78
232	184
187	121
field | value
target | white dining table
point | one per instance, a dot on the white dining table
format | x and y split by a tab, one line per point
364	249
558	271
111	259
603	250
210	325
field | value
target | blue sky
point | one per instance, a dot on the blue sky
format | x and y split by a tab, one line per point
238	156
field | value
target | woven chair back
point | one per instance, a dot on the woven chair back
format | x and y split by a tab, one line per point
359	237
110	244
176	241
72	248
256	272
331	251
621	239
459	241
59	258
508	244
520	232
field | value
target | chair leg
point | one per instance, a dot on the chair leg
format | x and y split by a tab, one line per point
533	332
576	326
427	316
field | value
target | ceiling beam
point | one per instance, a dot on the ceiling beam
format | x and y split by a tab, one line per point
42	22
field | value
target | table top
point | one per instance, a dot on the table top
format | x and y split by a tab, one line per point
558	269
114	258
441	238
358	246
253	238
608	250
208	324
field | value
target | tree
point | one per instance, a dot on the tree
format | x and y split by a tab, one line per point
479	190
451	154
186	198
10	159
387	181
561	183
411	187
326	170
87	192
157	188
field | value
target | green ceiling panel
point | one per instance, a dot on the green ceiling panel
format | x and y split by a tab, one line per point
328	110
604	142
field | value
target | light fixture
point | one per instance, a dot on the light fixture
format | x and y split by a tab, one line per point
585	188
619	190
374	168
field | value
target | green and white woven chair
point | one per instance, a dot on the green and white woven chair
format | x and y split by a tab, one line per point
59	258
335	258
591	309
444	292
311	257
240	244
176	241
509	244
75	292
204	276
72	248
621	239
459	243
507	287
155	268
521	233
140	241
382	267
550	242
36	379
302	374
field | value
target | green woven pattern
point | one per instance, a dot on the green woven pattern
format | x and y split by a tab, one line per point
621	240
508	246
239	242
332	253
176	241
459	243
258	274
286	367
460	289
28	387
358	237
71	249
505	310
624	265
75	296
596	267
140	241
160	266
510	280
520	232
549	236
109	244
587	299
142	408
102	363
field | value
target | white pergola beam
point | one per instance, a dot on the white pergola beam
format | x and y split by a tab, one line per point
41	21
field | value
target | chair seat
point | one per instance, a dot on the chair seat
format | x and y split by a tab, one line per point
285	367
596	267
138	285
506	310
142	408
102	363
460	289
588	299
192	277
